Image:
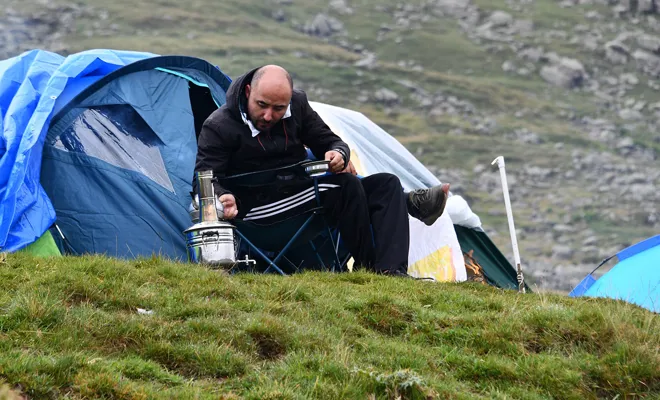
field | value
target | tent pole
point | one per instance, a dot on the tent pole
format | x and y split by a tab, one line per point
512	230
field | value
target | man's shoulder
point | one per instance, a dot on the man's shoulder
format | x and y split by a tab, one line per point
220	116
222	119
299	97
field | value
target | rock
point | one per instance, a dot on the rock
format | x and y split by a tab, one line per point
526	136
551	58
43	28
452	8
629	6
533	54
499	19
589	42
625	143
323	26
647	62
616	52
563	229
279	15
524	27
630	79
620	10
593	15
590	241
386	96
562	252
363	98
646	6
508	66
650	43
639	106
340	7
568	73
368	62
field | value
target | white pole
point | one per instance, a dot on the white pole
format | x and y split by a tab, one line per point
512	229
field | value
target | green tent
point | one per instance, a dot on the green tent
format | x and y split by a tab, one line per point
45	246
496	268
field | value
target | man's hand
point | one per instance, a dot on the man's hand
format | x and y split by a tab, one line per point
350	169
229	203
336	161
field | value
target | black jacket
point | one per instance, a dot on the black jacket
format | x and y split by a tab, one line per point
225	143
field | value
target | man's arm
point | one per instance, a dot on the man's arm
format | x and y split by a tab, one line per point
213	152
318	137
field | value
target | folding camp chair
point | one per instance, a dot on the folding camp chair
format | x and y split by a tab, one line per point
294	239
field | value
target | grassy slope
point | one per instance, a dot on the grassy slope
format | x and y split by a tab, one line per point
69	327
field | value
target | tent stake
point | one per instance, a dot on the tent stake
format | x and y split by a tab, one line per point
512	230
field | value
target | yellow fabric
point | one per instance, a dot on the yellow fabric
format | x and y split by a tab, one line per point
438	265
356	163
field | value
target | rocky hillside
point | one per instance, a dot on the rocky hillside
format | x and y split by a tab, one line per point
566	90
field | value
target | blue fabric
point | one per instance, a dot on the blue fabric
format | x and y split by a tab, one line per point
130	215
131	144
30	86
639	247
635	279
583	286
162	104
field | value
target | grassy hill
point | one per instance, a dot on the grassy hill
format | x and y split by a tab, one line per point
93	327
464	84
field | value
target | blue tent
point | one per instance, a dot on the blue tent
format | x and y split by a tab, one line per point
104	139
635	278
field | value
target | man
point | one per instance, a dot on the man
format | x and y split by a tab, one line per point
266	124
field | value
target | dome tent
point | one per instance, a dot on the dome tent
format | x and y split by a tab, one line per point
102	143
635	278
100	150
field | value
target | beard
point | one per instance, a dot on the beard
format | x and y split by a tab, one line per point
262	125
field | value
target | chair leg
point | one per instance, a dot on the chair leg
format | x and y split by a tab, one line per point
318	256
265	257
335	249
295	267
293	239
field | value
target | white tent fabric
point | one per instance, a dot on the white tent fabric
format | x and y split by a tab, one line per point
434	250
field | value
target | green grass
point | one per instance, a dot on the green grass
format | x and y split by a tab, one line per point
70	328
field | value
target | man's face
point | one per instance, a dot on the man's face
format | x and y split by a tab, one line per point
267	103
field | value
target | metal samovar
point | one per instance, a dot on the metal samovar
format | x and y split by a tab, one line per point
211	240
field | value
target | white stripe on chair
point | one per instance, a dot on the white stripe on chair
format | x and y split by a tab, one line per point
286	204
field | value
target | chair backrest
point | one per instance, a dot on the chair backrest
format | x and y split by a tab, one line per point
266	178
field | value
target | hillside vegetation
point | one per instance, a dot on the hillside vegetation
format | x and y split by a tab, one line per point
94	327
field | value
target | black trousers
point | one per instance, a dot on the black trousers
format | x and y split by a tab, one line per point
370	213
372	218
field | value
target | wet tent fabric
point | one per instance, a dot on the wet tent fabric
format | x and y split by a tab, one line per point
30	85
121	130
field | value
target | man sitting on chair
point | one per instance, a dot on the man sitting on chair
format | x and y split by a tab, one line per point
266	124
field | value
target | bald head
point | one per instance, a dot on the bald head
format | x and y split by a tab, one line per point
268	96
271	74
